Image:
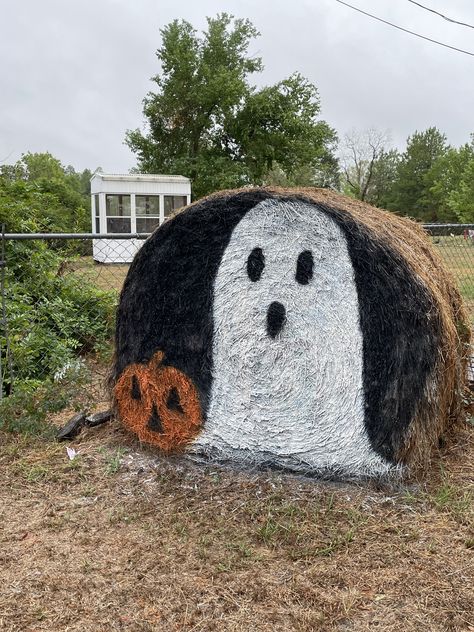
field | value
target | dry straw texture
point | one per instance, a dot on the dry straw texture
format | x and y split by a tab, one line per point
444	334
442	402
441	407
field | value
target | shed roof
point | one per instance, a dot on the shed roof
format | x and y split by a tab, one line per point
140	177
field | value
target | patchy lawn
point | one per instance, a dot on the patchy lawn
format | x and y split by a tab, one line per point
458	255
121	539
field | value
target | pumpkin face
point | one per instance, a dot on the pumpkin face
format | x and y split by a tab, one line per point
159	404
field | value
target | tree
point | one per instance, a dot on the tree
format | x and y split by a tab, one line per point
415	175
41	165
461	196
384	178
207	122
39	188
368	167
449	178
52	318
325	175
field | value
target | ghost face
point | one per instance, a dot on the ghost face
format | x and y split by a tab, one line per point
287	346
276	314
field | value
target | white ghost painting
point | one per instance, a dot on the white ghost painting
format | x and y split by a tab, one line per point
287	346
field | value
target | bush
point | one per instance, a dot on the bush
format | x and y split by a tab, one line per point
53	322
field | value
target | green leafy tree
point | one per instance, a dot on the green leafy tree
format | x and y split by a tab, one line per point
207	122
11	173
41	165
326	175
54	318
55	197
412	193
449	177
384	178
461	196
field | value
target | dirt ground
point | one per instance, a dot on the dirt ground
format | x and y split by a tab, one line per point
119	538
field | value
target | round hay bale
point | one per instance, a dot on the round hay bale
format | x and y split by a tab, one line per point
297	328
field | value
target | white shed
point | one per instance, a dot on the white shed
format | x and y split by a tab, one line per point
131	204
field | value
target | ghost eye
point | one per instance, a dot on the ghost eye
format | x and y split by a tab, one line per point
304	267
255	264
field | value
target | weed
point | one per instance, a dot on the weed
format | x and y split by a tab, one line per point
33	473
181	529
89	490
121	515
243	549
76	463
268	530
451	499
113	461
336	543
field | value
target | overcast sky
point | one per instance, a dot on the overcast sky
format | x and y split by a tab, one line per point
73	73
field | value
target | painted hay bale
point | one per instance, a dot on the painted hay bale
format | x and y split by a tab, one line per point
296	328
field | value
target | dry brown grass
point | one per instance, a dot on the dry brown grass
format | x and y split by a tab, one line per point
106	276
121	539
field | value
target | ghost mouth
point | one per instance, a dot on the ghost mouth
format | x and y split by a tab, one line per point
276	318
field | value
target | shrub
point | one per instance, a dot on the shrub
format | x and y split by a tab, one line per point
53	322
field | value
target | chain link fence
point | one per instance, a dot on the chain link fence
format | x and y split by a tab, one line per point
455	244
59	294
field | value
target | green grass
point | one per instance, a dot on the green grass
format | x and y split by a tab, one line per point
113	461
458	255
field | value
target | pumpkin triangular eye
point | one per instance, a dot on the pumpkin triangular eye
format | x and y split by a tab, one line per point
154	423
255	264
173	402
136	393
304	267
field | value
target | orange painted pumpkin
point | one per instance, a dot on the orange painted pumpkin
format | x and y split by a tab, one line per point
159	404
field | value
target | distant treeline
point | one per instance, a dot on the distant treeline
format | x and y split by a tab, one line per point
39	194
430	180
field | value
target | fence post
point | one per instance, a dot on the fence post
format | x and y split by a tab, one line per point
7	356
2	263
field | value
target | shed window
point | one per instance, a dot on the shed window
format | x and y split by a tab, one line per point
148	212
117	206
97	213
147	224
172	202
119	225
118	212
148	205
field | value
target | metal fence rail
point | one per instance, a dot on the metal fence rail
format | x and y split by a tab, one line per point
59	292
48	236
